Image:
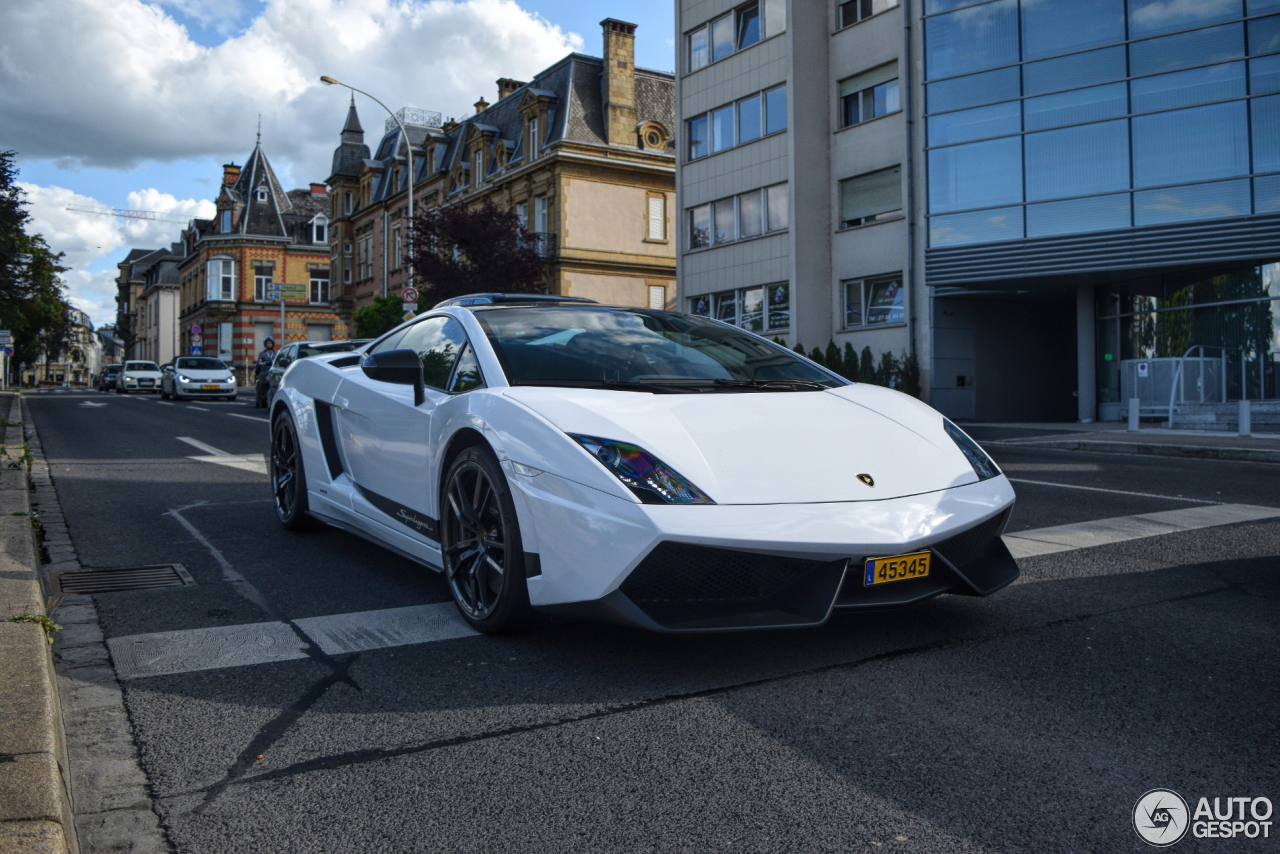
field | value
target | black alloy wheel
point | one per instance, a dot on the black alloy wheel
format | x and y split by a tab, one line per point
288	481
480	541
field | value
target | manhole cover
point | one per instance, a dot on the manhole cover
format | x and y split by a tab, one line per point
119	579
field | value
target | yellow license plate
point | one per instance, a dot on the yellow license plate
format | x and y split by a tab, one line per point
209	387
882	570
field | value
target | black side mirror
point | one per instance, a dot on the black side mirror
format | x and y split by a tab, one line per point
402	367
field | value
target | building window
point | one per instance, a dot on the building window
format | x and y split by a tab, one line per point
222	279
657	218
739	217
859	10
869	95
477	164
348	202
657	296
540	215
262	277
320	287
224	225
398	250
262	193
522	214
736	31
758	309
533	138
736	124
320	230
871	197
875	301
346	275
346	249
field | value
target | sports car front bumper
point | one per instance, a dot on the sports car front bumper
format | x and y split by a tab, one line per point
718	567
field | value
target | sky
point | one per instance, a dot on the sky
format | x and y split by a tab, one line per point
136	105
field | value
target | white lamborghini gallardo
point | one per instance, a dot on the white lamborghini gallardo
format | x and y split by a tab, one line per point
641	466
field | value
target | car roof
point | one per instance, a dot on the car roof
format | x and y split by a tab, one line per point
512	299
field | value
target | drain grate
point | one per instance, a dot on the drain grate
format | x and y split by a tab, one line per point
118	579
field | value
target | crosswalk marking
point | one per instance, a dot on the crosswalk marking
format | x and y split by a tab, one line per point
1101	532
189	650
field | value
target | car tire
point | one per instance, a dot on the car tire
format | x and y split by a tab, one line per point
287	476
481	546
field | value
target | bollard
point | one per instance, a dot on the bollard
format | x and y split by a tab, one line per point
1246	417
1134	405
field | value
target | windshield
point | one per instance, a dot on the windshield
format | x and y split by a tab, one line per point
140	366
197	363
641	348
113	369
305	350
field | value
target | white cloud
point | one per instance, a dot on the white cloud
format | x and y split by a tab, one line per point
118	82
86	238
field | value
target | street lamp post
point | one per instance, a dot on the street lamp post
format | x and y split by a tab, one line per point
408	147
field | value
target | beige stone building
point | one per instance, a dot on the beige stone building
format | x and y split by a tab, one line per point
584	153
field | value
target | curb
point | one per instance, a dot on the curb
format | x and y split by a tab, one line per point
35	794
1204	452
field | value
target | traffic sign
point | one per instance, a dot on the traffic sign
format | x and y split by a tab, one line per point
197	350
8	351
409	294
195	329
293	290
410	315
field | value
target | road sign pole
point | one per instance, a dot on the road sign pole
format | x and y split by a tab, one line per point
280	340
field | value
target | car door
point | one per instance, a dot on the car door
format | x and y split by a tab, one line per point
385	437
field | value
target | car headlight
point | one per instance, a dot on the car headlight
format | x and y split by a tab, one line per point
183	379
983	465
649	478
230	380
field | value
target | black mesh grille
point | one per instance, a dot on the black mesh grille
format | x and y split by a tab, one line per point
966	547
676	572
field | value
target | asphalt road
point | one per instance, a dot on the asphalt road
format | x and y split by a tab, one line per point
1029	721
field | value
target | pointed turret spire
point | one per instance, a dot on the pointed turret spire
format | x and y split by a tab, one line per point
352	131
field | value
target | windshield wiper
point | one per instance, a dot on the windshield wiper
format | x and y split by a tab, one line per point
772	385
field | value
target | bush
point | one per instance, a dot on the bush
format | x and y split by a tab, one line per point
896	372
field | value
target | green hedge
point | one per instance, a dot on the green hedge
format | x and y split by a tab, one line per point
896	372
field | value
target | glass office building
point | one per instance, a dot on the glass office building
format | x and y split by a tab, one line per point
1048	118
1053	191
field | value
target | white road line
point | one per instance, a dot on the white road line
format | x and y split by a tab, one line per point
249	417
256	463
1101	532
198	408
164	653
208	449
189	650
164	403
1112	491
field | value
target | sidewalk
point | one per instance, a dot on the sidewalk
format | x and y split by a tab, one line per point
1116	439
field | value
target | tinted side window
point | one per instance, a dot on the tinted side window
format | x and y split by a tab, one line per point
467	376
438	341
391	342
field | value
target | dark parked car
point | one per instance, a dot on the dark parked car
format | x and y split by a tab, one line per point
107	382
291	353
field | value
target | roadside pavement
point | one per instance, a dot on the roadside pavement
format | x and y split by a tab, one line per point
1117	439
35	807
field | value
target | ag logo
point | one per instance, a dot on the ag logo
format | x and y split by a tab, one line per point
1160	817
867	479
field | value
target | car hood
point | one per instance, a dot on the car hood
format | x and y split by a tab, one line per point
203	374
772	447
152	375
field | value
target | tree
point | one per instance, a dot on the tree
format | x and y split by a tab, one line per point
32	304
382	315
459	250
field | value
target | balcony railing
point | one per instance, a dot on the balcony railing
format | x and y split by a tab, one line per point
545	243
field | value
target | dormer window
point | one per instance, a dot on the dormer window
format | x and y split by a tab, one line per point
262	193
348	202
477	168
225	224
533	137
320	229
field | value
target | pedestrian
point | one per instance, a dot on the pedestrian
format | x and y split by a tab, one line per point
261	367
